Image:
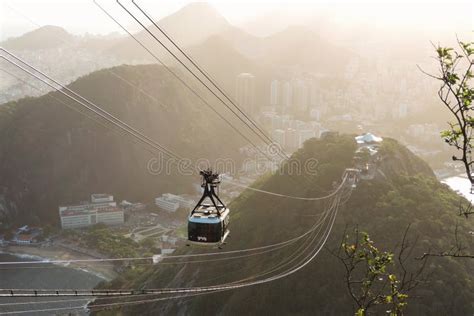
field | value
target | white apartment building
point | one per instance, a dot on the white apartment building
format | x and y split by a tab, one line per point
102	209
171	202
275	93
91	216
101	198
245	92
291	138
278	136
166	205
304	135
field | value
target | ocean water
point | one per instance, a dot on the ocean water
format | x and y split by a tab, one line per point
46	276
460	185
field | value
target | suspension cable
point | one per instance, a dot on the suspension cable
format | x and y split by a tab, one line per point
206	75
184	83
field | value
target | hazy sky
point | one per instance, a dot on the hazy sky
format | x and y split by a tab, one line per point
80	16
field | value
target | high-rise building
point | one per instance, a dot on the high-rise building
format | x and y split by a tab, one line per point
278	136
277	122
275	93
304	135
291	139
401	111
245	92
287	95
171	202
314	94
300	95
315	114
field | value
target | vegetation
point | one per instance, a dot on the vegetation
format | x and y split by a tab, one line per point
46	144
457	95
404	192
109	242
371	274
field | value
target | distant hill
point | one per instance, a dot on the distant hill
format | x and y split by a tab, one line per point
224	62
405	192
51	155
189	26
194	23
45	37
299	46
295	46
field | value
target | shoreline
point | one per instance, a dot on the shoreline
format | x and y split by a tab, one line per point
105	272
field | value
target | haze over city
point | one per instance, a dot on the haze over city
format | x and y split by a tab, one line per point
236	157
419	15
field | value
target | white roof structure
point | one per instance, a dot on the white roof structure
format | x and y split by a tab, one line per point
371	149
368	138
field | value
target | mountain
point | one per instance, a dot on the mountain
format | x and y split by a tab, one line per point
403	192
51	155
194	23
219	57
46	37
298	46
249	45
189	26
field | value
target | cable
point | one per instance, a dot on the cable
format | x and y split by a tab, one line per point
102	306
122	259
281	195
97	110
193	91
74	109
170	153
206	75
207	290
156	39
187	68
197	289
104	113
186	290
21	14
178	256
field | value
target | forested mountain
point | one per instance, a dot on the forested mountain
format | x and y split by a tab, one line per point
51	155
403	192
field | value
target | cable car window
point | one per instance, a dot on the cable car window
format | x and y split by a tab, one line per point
204	232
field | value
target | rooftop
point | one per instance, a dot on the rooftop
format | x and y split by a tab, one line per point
25	237
368	138
89	211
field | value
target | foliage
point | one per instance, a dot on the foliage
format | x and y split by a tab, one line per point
457	95
47	144
370	275
111	244
384	207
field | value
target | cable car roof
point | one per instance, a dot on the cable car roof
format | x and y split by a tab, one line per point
208	215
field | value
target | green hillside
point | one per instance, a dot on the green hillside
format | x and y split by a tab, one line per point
404	192
51	155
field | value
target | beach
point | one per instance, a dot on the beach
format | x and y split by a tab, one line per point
104	271
461	185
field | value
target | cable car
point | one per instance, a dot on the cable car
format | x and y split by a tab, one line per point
207	223
352	177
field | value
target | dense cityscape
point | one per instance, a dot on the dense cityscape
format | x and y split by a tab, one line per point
234	158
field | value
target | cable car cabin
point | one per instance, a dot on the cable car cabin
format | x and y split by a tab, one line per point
207	223
207	227
352	177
